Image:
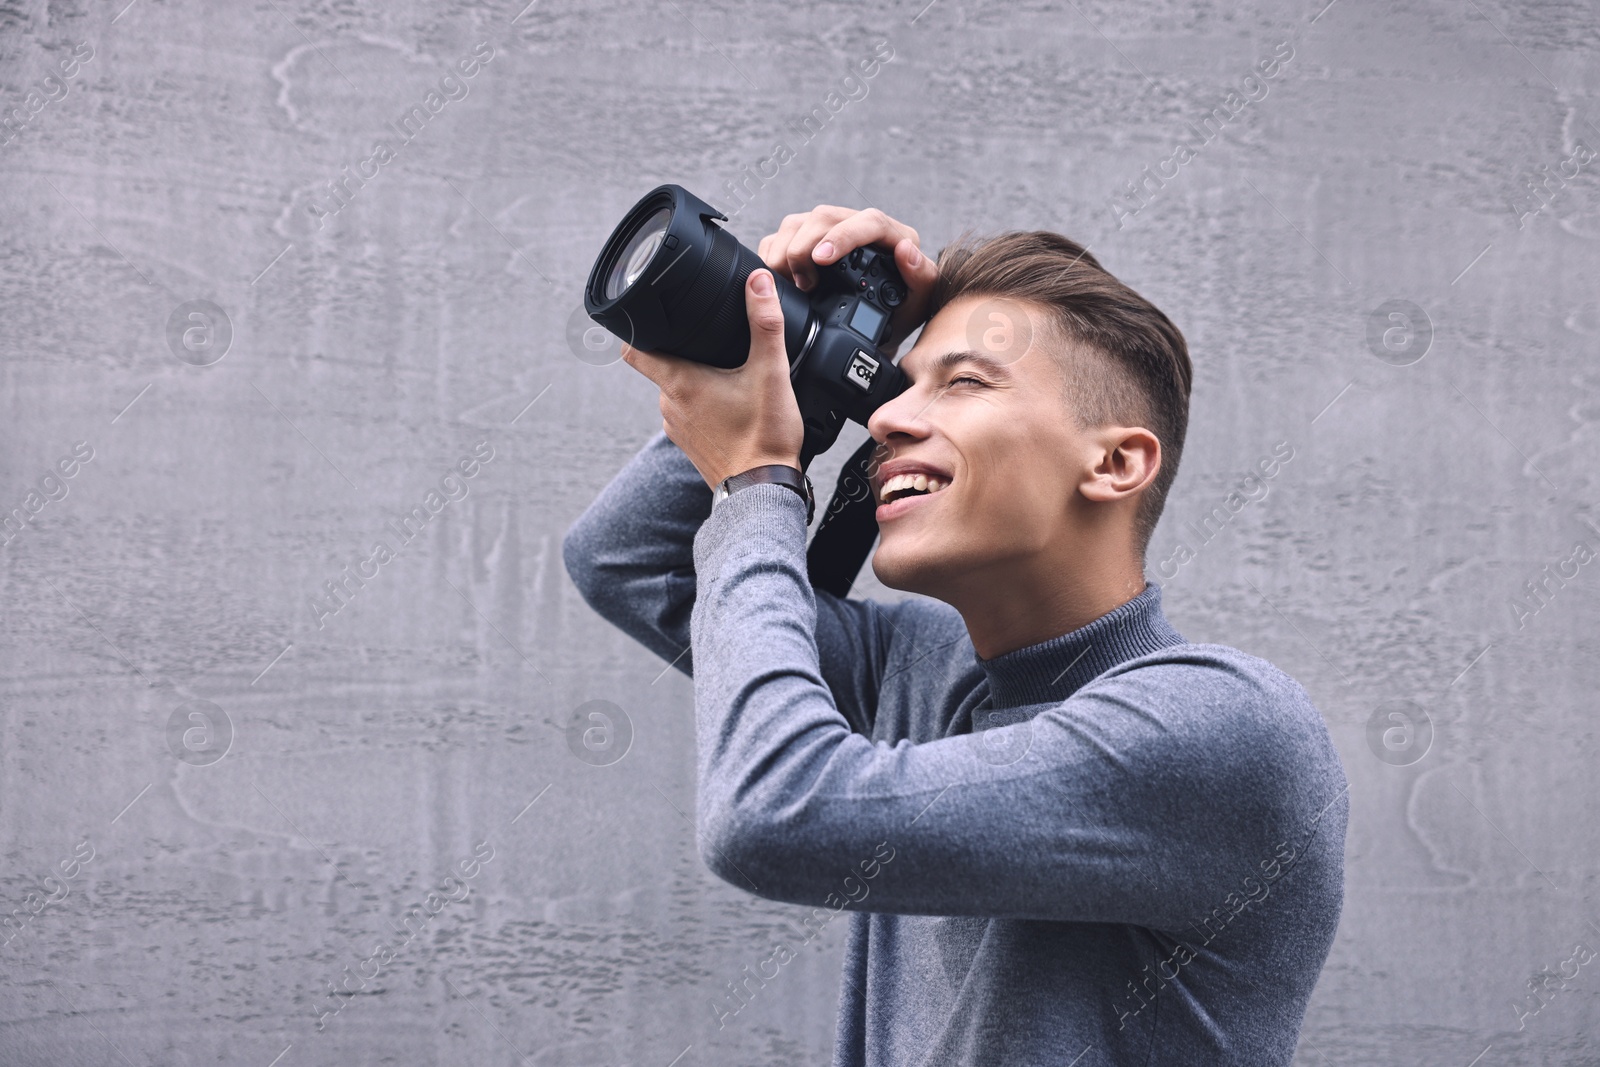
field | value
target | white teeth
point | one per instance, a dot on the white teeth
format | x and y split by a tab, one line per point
919	481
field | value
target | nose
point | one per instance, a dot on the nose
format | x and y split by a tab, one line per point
902	415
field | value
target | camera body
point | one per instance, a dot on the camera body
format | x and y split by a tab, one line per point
670	280
836	377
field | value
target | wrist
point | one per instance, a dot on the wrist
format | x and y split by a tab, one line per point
786	474
747	464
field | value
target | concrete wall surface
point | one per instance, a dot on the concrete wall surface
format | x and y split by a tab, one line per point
273	271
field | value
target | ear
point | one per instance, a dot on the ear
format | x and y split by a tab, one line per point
1130	457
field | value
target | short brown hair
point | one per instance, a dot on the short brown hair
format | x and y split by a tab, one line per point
1142	375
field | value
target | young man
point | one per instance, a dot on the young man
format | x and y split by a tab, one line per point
1066	834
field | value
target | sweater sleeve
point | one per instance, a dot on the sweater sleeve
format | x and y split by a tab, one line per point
631	556
1137	799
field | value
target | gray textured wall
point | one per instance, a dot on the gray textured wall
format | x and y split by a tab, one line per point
216	801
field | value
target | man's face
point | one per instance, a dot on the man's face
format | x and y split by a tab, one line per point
995	428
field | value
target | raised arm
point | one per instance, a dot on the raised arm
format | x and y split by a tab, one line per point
631	555
1133	801
631	552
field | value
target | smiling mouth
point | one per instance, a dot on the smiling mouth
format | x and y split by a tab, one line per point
905	485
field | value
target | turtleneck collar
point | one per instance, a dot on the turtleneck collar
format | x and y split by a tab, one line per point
1053	670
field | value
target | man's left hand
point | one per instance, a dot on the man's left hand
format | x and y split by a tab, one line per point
730	419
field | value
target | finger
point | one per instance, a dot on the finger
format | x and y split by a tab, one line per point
793	261
803	245
766	319
769	242
862	228
813	225
652	365
921	275
774	249
919	271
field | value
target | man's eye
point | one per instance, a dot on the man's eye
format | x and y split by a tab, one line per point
966	378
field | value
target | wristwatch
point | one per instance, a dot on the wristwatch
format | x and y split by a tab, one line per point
781	473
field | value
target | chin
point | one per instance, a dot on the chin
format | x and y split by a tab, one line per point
896	571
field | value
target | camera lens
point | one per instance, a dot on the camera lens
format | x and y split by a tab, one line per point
670	280
636	256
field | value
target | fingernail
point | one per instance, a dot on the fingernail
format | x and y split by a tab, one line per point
824	250
915	258
762	283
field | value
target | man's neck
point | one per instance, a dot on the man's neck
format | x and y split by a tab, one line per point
1030	604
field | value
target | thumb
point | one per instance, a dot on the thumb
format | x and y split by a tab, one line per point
766	317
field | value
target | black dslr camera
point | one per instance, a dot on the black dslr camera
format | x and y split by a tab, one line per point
669	280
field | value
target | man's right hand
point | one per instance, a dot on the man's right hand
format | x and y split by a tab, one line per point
826	234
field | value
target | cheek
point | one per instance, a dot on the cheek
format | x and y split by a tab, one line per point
1013	514
1013	492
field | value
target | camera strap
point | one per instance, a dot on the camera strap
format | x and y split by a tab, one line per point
849	527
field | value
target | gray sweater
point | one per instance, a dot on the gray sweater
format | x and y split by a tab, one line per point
1112	847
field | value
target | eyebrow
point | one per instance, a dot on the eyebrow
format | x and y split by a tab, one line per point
950	360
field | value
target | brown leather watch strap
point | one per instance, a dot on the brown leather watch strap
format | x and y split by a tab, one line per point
779	473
